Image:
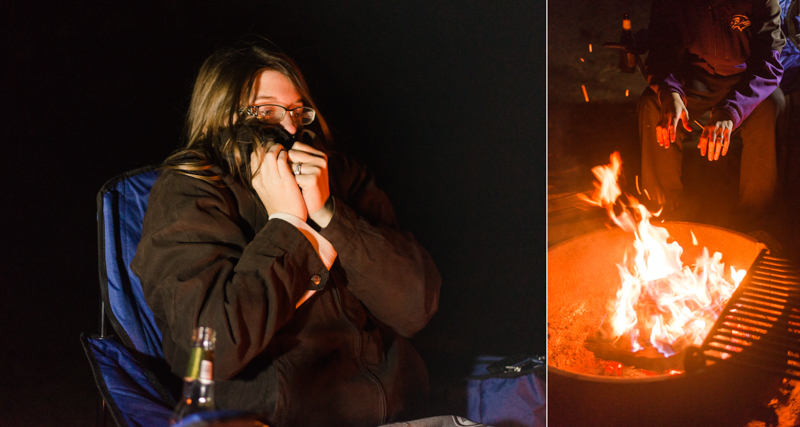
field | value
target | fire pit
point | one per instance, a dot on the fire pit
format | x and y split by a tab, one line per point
582	278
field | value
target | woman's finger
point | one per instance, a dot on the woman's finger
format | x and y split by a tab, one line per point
270	162
255	161
306	159
299	146
306	181
306	171
283	168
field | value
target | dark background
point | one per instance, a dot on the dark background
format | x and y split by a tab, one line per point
444	100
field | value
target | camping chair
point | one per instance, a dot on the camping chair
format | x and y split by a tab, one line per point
135	381
132	376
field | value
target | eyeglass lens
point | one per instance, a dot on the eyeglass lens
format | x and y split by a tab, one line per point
276	113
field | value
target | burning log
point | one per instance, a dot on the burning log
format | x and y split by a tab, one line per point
649	358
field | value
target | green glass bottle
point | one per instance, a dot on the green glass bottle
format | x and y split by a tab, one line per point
198	386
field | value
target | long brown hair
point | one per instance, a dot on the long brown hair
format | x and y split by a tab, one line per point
223	87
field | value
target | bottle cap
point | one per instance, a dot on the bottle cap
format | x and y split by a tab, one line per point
205	335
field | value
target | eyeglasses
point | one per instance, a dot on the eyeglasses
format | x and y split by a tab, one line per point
275	113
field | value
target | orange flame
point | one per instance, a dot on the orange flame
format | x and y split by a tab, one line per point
660	300
606	191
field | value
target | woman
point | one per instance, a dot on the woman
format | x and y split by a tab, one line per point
293	257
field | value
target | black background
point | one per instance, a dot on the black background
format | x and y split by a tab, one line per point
445	101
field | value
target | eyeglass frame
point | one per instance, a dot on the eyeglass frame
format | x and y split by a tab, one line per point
249	111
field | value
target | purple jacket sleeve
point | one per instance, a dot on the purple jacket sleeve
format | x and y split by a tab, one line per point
764	69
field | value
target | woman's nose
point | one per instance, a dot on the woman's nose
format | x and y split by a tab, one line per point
289	124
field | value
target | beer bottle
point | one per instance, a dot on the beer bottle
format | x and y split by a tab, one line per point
627	60
198	386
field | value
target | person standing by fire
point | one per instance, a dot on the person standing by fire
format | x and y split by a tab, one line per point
719	57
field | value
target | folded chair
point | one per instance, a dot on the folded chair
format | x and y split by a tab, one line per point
132	376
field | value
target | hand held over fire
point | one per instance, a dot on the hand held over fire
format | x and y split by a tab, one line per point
672	110
716	136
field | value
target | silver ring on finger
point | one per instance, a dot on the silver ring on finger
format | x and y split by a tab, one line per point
297	168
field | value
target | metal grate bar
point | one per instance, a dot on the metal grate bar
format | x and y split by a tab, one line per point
770	348
760	325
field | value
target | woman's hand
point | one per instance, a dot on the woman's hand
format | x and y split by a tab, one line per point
716	136
310	167
672	110
275	184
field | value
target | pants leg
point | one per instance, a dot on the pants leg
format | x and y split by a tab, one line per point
661	168
758	178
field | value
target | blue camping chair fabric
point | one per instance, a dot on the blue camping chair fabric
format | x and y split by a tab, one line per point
133	395
123	363
129	366
121	205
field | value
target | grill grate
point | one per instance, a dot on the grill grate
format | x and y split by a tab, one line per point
760	326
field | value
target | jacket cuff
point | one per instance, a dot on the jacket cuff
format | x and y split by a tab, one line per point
342	228
323	247
730	110
668	86
296	248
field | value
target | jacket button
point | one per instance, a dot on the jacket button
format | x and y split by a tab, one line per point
316	279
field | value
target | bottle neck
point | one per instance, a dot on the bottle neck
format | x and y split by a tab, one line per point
201	365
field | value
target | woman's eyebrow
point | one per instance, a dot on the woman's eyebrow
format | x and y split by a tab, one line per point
272	98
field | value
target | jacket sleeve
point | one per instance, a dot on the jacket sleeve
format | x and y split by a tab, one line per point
198	268
664	59
392	275
764	69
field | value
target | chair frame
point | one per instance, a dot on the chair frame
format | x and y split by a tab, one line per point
106	315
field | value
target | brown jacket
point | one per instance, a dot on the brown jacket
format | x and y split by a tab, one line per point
209	256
